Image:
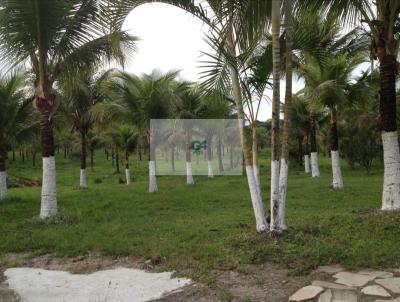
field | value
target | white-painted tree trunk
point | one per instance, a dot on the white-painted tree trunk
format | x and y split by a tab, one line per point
337	181
152	177
128	176
189	173
274	223
82	180
391	181
314	165
307	163
256	172
283	181
3	185
210	169
258	207
49	192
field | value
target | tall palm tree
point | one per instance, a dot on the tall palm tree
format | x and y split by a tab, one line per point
79	95
16	118
284	166
275	142
54	38
381	16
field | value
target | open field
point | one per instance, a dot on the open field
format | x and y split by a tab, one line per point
206	226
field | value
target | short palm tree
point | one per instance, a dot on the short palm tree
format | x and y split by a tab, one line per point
56	38
125	139
79	95
16	118
139	99
329	85
187	107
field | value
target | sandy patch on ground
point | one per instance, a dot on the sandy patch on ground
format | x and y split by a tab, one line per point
120	284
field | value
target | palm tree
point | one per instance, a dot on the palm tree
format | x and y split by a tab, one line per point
381	16
79	95
141	99
329	85
54	38
16	119
187	107
94	141
125	139
284	166
276	55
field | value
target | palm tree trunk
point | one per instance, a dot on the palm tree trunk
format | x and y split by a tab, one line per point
337	182
231	156
137	157
34	159
3	176
276	62
173	157
390	140
284	167
254	148
116	160
92	159
49	191
313	144
127	171
83	181
152	164
219	155
13	154
209	158
189	171
258	208
112	157
306	154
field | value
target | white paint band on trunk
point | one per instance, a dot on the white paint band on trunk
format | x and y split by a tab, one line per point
189	173
128	176
49	193
274	223
283	181
391	181
307	163
256	172
210	169
82	180
314	165
3	185
152	177
337	177
258	207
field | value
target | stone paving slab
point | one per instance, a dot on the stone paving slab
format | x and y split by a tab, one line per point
352	279
377	274
392	284
306	293
331	269
331	285
375	290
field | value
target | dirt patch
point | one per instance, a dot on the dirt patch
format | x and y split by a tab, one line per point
255	283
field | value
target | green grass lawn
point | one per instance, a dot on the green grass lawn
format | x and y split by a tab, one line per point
208	225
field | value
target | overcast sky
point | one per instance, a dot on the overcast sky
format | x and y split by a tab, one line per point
173	39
